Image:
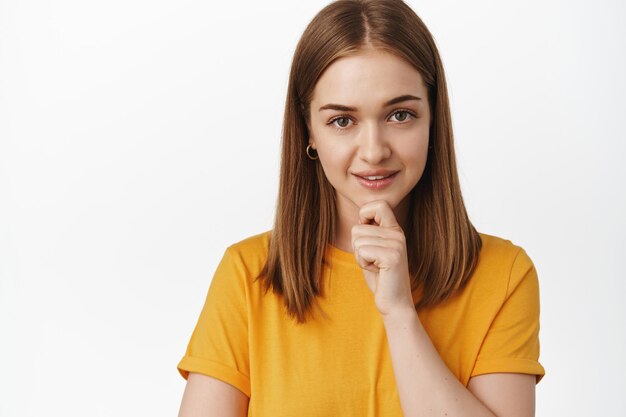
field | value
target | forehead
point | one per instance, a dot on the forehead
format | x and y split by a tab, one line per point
368	76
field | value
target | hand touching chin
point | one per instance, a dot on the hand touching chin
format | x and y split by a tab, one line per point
380	249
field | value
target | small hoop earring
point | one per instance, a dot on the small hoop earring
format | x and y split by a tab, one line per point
309	155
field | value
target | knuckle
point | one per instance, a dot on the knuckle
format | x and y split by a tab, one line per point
399	236
395	257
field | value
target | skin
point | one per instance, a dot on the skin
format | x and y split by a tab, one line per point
375	136
371	224
206	396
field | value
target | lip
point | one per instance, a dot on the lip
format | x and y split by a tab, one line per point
377	184
375	172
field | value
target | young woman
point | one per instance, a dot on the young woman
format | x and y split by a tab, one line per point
373	294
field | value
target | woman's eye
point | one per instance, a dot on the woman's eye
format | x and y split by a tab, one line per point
402	115
340	122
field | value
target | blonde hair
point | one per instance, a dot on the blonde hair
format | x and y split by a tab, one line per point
442	243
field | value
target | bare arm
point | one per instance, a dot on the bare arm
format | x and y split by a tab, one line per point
206	396
427	387
506	394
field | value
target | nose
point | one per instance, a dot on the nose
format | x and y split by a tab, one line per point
373	145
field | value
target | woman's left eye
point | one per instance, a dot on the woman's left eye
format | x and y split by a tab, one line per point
404	115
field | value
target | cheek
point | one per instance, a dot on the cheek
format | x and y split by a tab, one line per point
334	160
415	157
415	152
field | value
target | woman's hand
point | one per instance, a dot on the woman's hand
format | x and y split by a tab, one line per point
380	249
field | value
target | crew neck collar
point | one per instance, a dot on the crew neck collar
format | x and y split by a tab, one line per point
335	253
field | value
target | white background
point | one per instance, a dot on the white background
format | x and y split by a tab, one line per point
139	138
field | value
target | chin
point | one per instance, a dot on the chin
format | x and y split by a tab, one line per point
393	203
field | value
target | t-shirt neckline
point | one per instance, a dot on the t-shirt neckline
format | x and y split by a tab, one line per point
334	252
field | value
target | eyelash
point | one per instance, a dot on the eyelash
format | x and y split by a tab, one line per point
345	116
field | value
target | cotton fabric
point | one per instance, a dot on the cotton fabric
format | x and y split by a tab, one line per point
341	365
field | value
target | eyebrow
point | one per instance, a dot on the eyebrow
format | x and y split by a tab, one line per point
395	100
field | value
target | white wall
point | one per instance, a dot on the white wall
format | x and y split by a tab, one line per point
139	138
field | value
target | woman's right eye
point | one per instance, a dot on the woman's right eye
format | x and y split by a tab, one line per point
340	122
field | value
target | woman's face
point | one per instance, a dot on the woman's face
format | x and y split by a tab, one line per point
370	112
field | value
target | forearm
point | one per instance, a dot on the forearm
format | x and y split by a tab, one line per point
425	384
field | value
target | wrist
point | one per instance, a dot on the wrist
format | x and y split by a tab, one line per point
400	315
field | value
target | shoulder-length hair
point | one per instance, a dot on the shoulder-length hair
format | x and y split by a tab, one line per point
442	244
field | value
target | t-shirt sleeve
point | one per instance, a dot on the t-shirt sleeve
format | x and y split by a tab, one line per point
512	341
219	343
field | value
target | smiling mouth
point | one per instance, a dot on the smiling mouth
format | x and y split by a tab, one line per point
376	182
375	174
376	177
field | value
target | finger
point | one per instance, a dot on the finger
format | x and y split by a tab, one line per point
366	258
391	237
368	240
378	212
368	230
374	257
381	241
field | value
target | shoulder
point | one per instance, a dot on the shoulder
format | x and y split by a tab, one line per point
497	252
254	244
502	263
251	252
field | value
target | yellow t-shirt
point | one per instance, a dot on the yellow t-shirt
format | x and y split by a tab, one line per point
342	366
